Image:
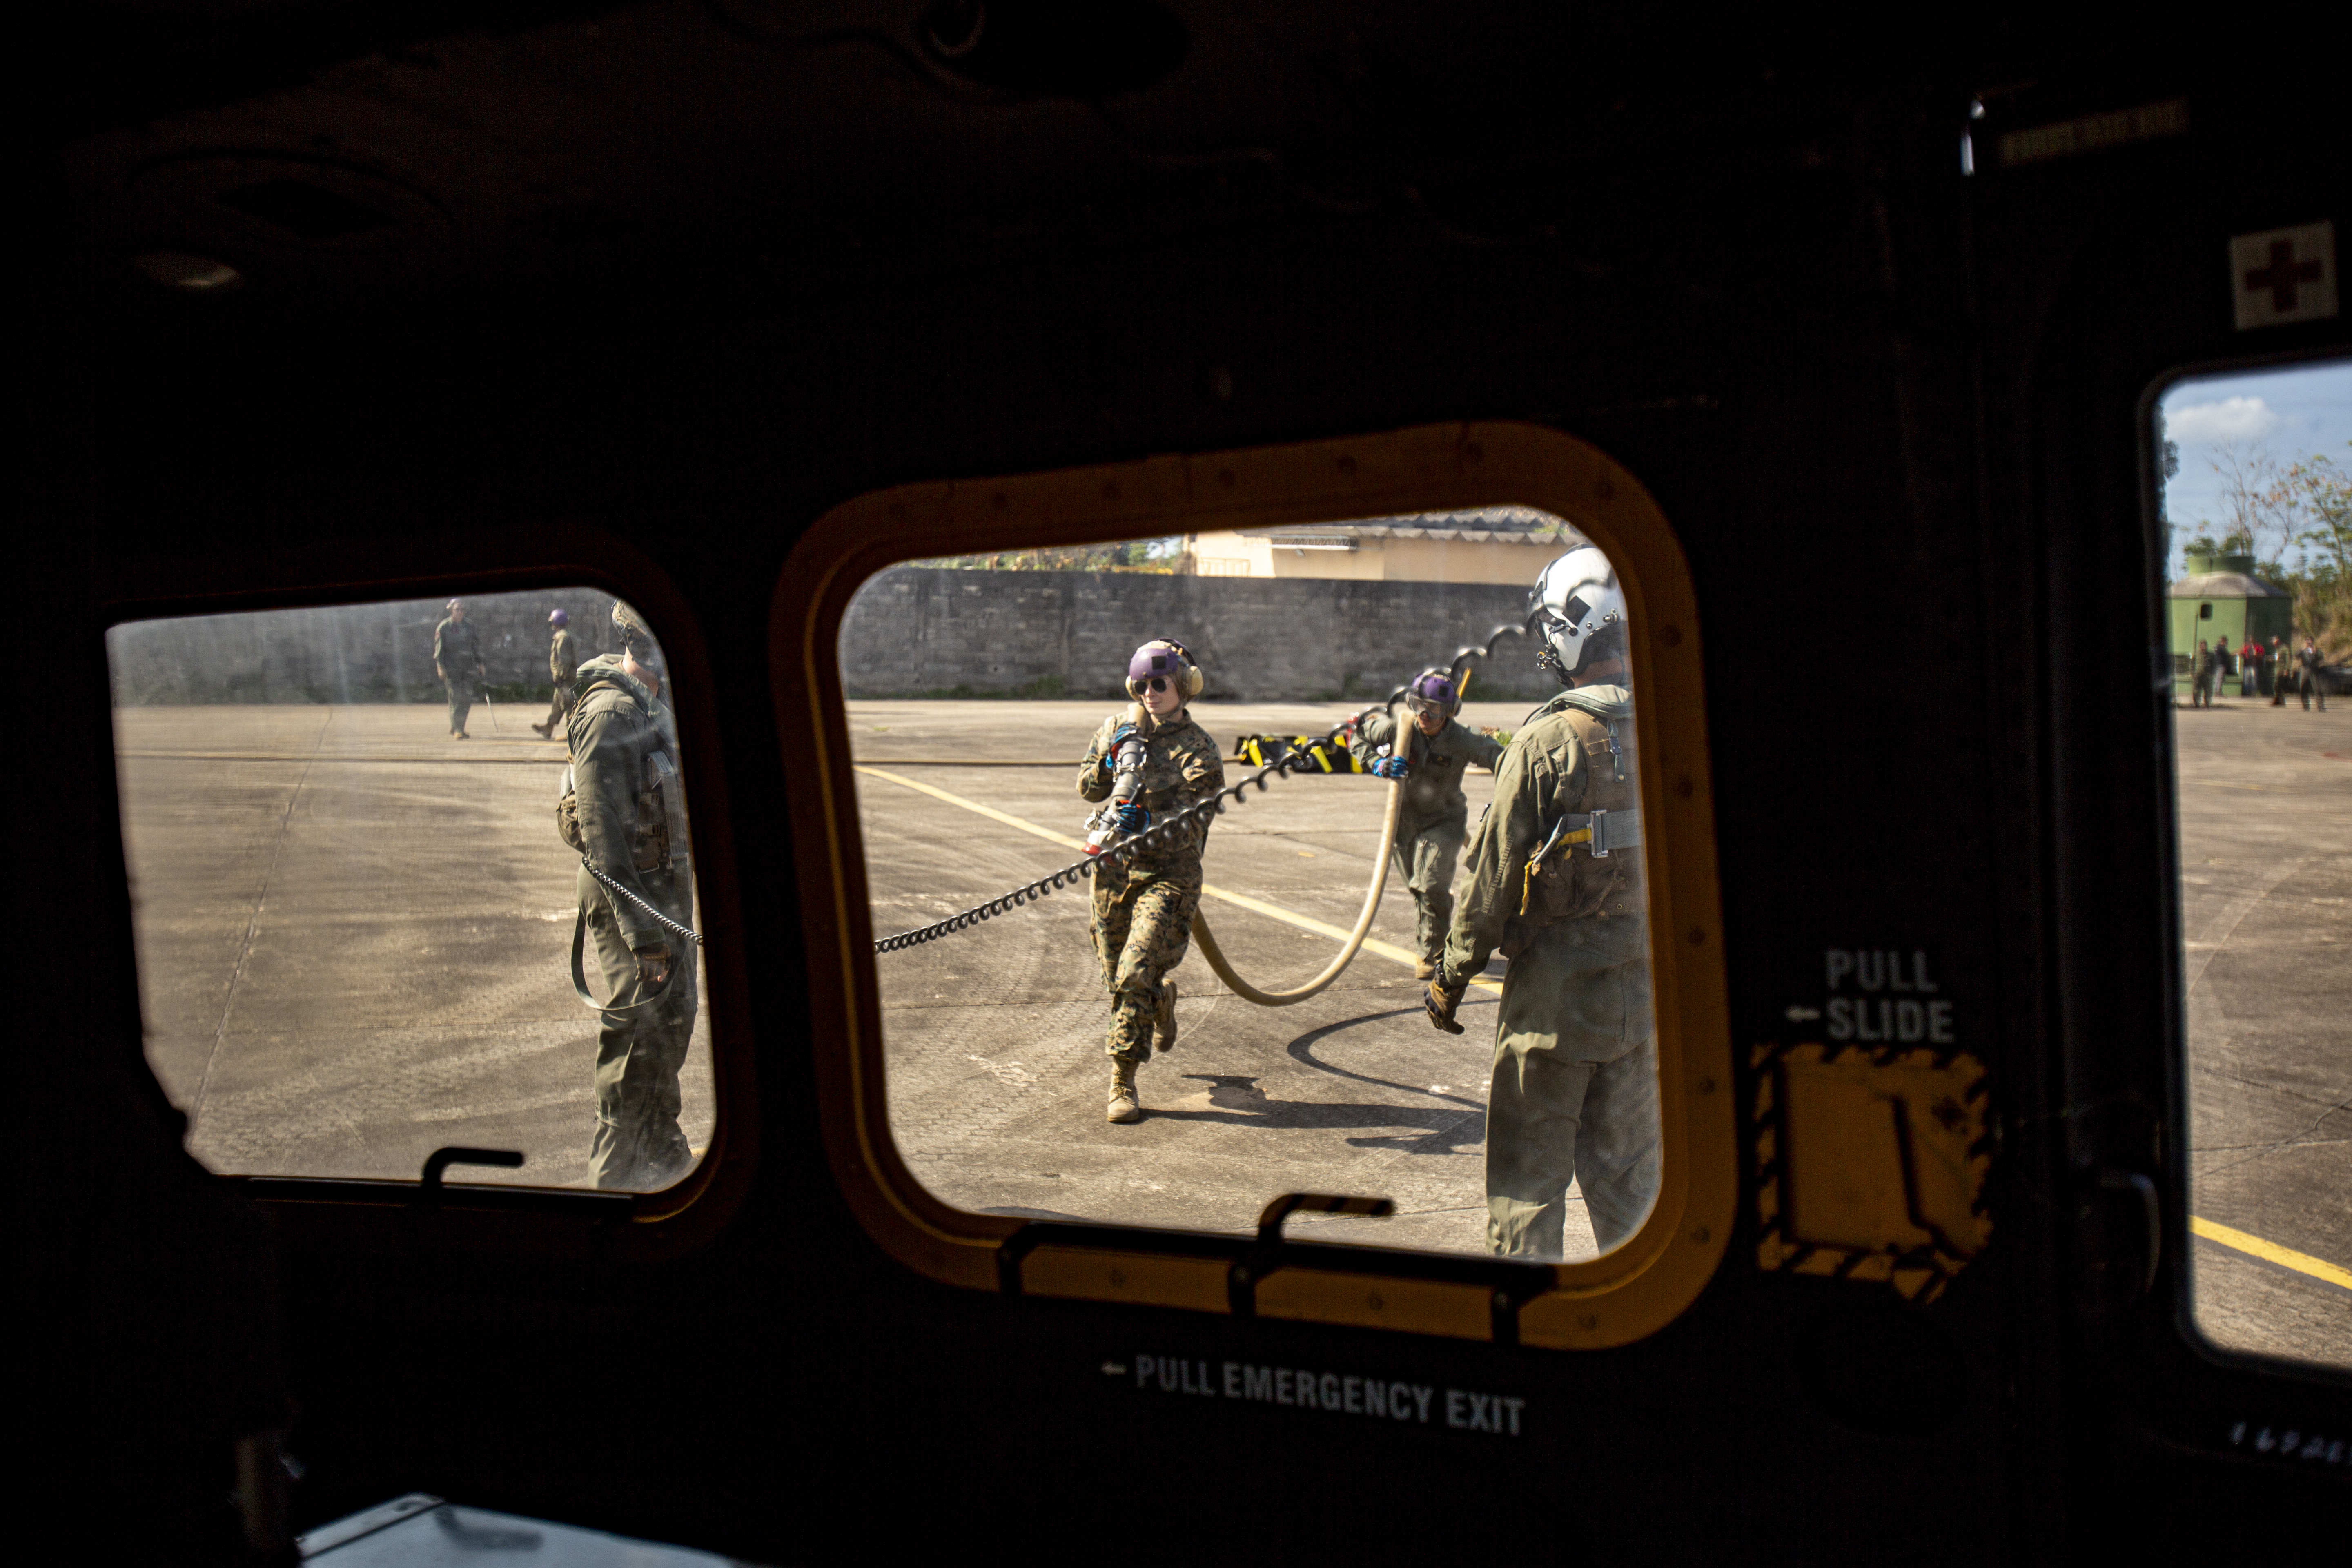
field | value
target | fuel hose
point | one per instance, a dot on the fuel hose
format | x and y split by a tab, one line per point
1248	993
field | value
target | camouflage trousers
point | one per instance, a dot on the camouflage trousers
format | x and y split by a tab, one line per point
1427	851
461	702
1142	922
641	1044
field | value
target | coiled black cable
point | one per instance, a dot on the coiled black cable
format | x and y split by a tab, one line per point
1118	853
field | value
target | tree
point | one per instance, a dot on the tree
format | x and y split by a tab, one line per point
2321	497
1128	555
2260	502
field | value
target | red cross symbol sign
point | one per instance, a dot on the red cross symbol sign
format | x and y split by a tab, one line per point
2284	275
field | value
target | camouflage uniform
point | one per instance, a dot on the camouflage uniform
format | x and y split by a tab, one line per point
563	664
1434	815
1575	1089
1143	910
458	654
616	730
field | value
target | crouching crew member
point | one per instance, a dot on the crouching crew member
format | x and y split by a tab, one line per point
631	824
1143	907
563	666
1429	754
1555	884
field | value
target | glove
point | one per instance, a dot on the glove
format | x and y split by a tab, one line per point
653	965
1391	768
1132	817
1441	999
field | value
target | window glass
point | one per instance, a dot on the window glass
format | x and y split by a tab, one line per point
2258	517
1087	1055
357	906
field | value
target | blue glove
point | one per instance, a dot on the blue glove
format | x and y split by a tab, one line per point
1132	817
1391	768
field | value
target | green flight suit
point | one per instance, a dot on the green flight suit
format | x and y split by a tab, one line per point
1142	911
1575	1088
1434	815
563	665
617	731
458	659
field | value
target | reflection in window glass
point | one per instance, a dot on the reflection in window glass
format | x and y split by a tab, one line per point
1122	1051
356	839
2258	509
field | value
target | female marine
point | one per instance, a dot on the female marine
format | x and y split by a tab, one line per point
1143	906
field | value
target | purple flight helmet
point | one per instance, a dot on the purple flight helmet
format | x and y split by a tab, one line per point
1432	687
1163	657
557	618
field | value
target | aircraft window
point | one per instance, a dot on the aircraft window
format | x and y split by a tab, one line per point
1178	1018
357	901
2257	508
1093	1056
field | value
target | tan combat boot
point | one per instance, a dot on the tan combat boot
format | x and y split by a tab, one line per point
1124	1107
1163	1022
1424	970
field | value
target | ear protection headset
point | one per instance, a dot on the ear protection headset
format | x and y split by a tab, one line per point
1165	656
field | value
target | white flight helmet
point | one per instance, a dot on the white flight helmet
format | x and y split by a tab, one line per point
1580	613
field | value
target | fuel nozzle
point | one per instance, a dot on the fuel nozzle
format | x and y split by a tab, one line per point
1125	784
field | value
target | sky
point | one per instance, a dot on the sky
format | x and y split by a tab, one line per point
2296	411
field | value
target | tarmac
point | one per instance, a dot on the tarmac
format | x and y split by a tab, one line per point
994	1036
354	939
2266	897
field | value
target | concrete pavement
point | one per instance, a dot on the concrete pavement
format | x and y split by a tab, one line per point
995	1035
353	936
2266	899
354	939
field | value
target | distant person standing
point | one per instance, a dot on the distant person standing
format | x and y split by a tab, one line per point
2307	660
2200	677
563	664
2275	665
457	662
2249	667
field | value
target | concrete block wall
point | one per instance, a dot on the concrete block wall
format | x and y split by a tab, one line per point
344	653
927	631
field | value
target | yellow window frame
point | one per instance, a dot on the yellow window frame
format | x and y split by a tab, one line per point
1630	1292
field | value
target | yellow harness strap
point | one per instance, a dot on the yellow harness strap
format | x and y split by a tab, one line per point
1536	860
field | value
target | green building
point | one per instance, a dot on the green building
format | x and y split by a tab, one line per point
2221	601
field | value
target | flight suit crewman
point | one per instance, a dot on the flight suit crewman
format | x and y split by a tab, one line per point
631	826
2200	677
457	663
1142	914
563	666
1429	753
1575	1086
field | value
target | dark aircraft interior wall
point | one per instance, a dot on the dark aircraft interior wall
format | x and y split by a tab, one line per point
675	280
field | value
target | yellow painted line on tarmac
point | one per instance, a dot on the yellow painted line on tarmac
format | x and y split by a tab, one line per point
2271	1252
1239	901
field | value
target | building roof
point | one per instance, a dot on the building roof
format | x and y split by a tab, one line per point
2225	585
1483	525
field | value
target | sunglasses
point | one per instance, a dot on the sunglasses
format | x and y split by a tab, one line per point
1156	683
1424	704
